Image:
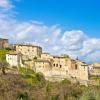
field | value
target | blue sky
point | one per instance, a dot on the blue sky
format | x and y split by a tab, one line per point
70	14
60	26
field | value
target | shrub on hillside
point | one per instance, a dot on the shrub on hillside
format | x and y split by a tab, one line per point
55	97
91	94
40	77
32	78
22	96
65	82
3	66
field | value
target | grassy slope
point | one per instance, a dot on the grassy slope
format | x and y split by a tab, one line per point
11	85
36	88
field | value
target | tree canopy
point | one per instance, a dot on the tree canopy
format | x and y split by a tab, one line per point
3	54
65	55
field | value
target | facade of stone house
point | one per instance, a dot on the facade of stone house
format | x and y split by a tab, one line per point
43	66
14	59
46	56
94	69
29	52
78	70
67	68
60	66
3	43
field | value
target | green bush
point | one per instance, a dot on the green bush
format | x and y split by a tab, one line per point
65	81
22	96
55	97
26	71
40	77
3	54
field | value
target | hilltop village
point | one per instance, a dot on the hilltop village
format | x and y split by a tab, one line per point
53	67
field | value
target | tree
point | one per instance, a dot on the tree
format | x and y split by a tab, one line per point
3	54
40	77
3	66
65	55
3	63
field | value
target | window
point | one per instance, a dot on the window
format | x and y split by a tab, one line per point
56	65
76	66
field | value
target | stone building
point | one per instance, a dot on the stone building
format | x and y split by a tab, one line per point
94	69
14	59
50	65
46	56
3	43
43	66
60	67
66	67
78	70
29	52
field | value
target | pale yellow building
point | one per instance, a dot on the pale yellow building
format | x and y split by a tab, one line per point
60	67
78	70
43	66
50	65
3	43
94	69
29	52
66	67
46	56
59	64
57	61
14	59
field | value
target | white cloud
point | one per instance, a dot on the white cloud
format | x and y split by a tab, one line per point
93	57
73	40
90	45
6	4
52	38
91	50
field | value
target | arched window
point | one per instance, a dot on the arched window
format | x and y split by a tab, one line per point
56	65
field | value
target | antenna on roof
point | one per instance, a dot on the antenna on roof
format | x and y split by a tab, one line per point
77	58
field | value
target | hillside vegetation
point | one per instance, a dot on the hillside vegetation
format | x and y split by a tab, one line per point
28	85
3	54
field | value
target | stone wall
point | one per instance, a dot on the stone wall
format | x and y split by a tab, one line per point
3	43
